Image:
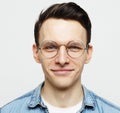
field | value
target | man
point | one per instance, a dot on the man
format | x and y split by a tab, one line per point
62	47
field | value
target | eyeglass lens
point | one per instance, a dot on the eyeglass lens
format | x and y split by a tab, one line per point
50	48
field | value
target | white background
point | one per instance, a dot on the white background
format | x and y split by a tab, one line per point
18	71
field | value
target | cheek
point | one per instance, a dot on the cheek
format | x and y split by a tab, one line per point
45	64
45	67
79	64
80	61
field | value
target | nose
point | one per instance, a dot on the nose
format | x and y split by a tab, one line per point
62	57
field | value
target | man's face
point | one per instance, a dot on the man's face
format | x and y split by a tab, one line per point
62	71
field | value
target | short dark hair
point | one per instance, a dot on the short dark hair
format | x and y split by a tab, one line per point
67	11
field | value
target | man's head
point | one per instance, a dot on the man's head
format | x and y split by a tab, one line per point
62	35
67	11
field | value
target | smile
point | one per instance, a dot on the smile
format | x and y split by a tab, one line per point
62	71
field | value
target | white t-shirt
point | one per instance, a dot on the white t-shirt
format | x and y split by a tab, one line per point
54	109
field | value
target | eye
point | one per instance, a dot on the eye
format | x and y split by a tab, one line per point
74	48
50	47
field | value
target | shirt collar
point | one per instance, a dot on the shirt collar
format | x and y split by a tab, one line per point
88	100
36	97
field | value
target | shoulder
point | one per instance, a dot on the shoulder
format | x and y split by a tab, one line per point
15	105
104	105
25	103
97	103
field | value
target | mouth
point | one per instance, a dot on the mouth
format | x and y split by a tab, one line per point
62	71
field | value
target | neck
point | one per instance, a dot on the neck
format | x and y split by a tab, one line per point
63	98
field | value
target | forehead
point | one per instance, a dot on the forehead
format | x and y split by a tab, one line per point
61	30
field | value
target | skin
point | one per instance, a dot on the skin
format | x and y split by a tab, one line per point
62	73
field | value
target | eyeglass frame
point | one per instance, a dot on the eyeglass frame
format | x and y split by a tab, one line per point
65	45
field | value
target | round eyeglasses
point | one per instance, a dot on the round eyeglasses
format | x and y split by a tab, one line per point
50	49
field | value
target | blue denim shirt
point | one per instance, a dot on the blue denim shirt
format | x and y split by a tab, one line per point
32	103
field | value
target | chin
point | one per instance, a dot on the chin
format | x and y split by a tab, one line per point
63	85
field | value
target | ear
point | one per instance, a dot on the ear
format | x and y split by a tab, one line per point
89	54
36	53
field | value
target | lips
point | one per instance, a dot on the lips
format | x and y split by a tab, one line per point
62	71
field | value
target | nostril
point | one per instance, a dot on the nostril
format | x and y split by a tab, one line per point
62	59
